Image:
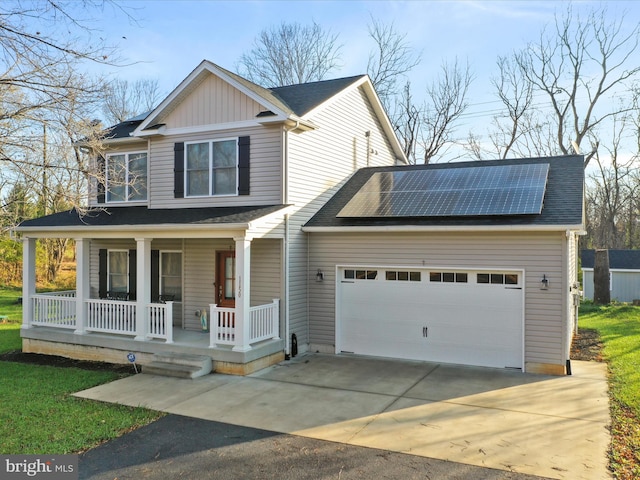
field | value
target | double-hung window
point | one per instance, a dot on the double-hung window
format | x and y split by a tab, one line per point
118	273
211	168
127	177
171	275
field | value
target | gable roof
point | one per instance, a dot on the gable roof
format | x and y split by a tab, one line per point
292	103
562	204
618	259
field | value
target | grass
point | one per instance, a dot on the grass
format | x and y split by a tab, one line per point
9	303
39	414
619	329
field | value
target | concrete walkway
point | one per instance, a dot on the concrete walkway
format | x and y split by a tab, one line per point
548	426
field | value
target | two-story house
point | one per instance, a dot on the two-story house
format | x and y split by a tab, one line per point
241	225
194	241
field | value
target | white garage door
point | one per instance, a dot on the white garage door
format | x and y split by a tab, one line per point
455	316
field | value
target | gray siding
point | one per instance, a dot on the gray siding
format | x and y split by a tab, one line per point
320	161
625	286
130	244
265	174
212	101
266	267
535	253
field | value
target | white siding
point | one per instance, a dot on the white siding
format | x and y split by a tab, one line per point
320	161
535	253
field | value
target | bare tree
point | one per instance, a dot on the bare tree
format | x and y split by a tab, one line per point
290	53
390	61
580	59
43	45
516	94
446	102
125	99
407	117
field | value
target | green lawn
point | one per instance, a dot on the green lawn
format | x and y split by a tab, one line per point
9	305
38	413
619	329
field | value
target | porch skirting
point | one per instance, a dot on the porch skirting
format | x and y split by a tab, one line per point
114	349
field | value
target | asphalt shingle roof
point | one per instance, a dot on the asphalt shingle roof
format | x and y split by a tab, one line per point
563	200
305	97
293	99
618	259
141	216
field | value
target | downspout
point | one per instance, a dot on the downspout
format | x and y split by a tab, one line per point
285	200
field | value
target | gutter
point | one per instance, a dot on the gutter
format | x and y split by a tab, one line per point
442	228
115	231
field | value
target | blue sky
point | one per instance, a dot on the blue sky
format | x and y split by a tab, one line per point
170	38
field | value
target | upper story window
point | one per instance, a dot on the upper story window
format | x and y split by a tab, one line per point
211	168
126	177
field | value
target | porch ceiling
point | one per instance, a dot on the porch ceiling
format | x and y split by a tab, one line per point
176	222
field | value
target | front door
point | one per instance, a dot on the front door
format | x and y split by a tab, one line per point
226	278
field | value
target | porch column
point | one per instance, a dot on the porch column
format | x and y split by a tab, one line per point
143	285
83	285
28	279
243	294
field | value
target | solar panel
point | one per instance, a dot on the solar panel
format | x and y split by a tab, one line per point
452	192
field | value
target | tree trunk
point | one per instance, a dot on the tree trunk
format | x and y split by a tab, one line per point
601	292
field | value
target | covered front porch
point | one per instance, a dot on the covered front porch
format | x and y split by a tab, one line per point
143	309
67	311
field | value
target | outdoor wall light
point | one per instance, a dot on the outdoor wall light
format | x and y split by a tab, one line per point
319	276
544	283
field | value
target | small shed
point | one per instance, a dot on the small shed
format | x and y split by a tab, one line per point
624	274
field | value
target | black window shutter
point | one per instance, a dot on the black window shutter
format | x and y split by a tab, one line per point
178	170
243	165
101	179
133	278
155	275
102	273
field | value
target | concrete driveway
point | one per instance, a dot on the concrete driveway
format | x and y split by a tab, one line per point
548	426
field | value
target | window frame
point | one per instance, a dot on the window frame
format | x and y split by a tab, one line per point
212	168
161	274
109	273
129	182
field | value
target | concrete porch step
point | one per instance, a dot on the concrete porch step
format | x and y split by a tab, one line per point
178	365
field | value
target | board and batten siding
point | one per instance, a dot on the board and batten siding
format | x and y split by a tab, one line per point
535	253
265	170
319	162
212	101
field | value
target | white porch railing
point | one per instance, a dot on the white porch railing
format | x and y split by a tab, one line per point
54	309
111	316
264	324
160	317
58	309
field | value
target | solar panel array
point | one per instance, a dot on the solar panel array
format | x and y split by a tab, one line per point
452	192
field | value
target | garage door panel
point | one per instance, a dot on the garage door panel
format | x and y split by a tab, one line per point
463	323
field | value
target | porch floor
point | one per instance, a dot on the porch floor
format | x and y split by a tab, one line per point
114	348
